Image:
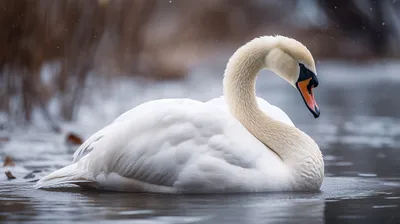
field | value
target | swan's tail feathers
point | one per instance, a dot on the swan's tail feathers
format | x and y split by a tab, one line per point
67	175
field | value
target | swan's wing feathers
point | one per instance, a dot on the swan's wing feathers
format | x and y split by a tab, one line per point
88	145
167	139
134	113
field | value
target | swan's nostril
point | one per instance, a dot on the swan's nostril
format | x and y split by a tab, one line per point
315	81
310	85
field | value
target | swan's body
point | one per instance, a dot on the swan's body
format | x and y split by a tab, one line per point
238	143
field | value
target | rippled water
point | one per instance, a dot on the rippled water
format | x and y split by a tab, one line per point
358	132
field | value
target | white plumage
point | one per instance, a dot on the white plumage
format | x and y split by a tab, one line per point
187	146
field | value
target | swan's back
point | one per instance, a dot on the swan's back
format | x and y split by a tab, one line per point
270	110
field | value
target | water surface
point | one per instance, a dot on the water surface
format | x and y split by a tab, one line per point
358	132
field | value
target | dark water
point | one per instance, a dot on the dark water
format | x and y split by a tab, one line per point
358	132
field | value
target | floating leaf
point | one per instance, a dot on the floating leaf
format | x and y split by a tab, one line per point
9	175
74	139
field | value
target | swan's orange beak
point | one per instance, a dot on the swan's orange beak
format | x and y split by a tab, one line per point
305	87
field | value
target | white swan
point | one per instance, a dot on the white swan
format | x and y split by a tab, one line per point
238	143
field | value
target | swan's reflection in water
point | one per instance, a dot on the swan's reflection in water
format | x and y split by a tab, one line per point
73	204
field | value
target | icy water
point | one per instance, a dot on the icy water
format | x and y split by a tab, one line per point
358	132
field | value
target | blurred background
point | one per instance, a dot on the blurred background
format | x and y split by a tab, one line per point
50	49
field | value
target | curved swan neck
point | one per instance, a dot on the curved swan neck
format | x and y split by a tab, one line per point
240	94
288	142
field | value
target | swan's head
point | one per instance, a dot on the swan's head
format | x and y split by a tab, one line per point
293	61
